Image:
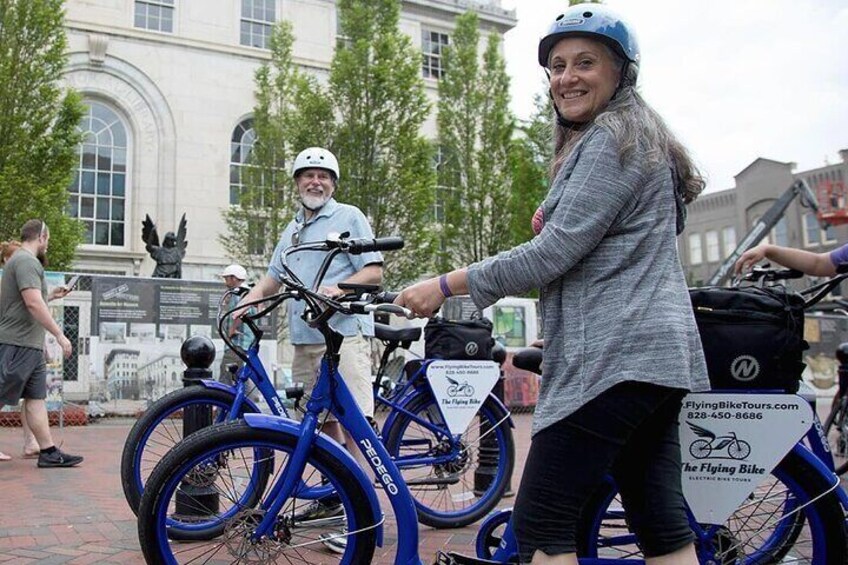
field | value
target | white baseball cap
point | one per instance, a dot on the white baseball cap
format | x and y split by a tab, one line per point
236	271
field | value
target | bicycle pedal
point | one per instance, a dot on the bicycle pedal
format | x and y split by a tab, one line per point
459	559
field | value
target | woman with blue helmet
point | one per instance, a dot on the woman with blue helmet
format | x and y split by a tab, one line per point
621	345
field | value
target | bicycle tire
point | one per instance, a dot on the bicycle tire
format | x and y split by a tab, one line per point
815	533
403	429
134	471
839	417
236	438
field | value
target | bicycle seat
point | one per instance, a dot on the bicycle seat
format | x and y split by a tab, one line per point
385	332
529	359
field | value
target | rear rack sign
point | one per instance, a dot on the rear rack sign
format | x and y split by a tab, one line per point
461	388
729	444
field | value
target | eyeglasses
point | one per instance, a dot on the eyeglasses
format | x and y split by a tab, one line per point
295	238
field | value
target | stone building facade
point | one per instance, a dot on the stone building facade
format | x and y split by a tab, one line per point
170	88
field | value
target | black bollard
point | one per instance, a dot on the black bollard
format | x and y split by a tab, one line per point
487	468
196	496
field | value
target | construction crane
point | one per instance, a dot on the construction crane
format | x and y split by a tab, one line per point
760	229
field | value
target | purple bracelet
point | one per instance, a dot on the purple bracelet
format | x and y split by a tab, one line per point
443	285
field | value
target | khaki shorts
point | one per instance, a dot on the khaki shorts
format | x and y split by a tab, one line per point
354	366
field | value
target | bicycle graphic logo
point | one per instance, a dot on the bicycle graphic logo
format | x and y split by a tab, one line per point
459	389
710	446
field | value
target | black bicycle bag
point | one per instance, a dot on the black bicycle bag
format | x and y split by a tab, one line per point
753	338
458	340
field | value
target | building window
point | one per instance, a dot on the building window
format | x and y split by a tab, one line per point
241	145
780	233
342	41
713	252
157	15
812	231
695	256
432	43
829	235
257	21
728	236
97	194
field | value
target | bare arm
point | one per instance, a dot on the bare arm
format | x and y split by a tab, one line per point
265	287
38	308
816	264
369	274
426	297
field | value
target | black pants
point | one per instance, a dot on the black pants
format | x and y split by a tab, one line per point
630	432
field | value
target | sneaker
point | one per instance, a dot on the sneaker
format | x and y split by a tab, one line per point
335	542
330	507
58	459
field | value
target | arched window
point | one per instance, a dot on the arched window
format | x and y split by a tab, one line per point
97	194
241	144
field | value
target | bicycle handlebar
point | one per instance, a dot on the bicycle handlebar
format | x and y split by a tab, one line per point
359	246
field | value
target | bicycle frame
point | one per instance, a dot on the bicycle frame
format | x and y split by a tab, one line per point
331	393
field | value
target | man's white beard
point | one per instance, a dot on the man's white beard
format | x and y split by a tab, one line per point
314	202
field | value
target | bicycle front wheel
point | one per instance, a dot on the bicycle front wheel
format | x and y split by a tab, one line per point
454	484
201	483
160	428
790	518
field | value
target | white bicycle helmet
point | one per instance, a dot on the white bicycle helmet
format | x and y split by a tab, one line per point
316	158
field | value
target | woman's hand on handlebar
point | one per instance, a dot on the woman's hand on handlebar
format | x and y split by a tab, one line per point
423	298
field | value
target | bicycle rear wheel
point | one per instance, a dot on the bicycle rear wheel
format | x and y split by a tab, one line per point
200	484
160	428
836	431
787	519
444	491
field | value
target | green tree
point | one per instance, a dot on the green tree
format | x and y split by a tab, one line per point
386	164
475	132
530	158
291	113
38	125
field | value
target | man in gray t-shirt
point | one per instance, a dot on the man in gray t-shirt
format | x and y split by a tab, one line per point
24	317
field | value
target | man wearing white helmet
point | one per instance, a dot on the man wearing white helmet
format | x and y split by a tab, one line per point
234	276
316	176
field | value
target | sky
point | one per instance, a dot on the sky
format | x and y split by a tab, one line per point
734	80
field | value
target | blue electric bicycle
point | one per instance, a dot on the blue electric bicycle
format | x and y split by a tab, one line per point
795	514
442	469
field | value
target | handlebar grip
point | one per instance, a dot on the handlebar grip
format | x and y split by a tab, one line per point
385	297
842	268
357	246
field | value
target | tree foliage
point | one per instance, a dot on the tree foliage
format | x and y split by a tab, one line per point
475	132
386	164
38	125
291	113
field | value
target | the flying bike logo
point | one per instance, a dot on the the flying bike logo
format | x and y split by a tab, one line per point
710	446
471	348
457	389
745	368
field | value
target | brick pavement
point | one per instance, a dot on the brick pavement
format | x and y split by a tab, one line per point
79	516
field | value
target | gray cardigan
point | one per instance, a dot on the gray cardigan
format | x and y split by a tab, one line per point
614	301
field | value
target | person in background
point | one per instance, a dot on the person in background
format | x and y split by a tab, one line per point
621	344
809	263
316	176
24	317
234	277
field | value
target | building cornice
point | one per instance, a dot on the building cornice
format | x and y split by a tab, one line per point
501	17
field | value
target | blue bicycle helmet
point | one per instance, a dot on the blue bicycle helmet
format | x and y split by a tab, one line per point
592	20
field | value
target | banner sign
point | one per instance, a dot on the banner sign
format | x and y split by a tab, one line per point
460	388
731	442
